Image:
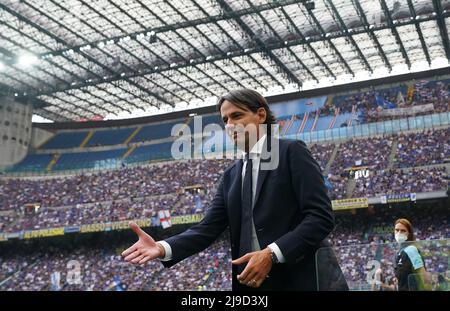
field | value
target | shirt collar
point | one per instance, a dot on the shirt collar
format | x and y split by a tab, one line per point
257	148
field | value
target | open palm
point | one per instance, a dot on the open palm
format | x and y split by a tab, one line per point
144	249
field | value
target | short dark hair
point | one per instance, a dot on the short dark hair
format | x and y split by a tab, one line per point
249	100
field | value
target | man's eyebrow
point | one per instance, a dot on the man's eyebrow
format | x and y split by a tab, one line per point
233	114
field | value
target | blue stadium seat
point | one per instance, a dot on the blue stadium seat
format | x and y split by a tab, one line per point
155	131
110	137
323	123
342	119
150	152
96	160
33	163
64	140
208	119
294	127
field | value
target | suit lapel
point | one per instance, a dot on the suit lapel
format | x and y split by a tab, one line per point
234	198
262	174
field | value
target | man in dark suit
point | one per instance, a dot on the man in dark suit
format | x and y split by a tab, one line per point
278	215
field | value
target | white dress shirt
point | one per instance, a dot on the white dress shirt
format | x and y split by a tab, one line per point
255	155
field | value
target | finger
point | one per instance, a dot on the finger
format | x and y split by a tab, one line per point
252	275
129	250
136	229
244	276
132	256
243	259
144	260
259	283
259	280
137	259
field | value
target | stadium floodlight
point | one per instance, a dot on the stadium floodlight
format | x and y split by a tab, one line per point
26	60
101	44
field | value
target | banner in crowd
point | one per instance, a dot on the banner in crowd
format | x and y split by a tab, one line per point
99	227
186	219
406	111
395	198
43	233
116	225
164	219
71	229
349	203
15	235
382	230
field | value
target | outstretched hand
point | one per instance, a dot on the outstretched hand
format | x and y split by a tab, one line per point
145	249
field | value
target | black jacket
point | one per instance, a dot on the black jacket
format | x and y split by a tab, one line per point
291	208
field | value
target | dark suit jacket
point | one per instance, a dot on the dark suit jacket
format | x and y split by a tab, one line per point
291	209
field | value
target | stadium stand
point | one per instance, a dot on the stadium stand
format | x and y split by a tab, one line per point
368	91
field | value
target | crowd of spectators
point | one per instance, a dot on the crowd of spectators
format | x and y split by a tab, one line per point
370	105
372	152
423	148
109	185
322	153
401	181
102	268
357	241
140	192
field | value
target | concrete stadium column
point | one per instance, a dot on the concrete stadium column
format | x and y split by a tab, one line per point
15	130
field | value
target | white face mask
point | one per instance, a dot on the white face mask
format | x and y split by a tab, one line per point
400	237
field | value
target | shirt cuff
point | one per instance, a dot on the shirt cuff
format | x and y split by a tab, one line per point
167	250
274	247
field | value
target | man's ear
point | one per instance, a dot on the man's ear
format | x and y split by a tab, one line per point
262	114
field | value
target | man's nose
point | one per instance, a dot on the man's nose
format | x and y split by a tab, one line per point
230	123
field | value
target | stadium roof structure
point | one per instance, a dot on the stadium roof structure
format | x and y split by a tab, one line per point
80	59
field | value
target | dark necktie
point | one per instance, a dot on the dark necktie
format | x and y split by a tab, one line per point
247	210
